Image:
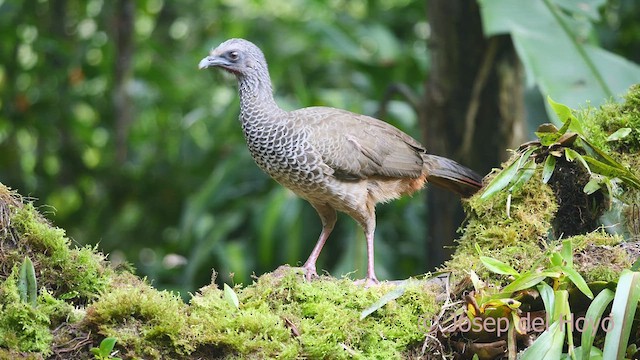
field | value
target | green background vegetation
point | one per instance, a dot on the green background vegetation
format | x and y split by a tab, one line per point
111	125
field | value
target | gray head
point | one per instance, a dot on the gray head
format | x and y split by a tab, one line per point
237	56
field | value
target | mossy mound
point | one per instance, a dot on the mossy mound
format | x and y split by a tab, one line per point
81	301
282	316
67	277
518	227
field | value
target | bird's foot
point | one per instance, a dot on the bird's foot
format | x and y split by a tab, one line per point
367	282
309	272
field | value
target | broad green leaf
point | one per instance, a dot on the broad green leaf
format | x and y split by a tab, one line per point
580	351
619	134
547	139
547	295
565	115
525	281
498	266
623	311
231	296
384	300
577	280
579	71
547	346
567	253
549	167
107	344
603	155
592	321
587	8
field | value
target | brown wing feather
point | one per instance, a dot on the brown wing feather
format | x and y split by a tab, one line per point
358	146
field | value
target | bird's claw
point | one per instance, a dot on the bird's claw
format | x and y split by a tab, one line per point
310	272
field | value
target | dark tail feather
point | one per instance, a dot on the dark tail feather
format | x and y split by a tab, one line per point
452	176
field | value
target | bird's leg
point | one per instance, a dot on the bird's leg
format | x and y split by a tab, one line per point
328	217
371	278
368	223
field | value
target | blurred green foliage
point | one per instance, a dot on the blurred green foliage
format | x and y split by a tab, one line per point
181	195
172	189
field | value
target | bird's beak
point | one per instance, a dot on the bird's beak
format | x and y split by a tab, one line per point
211	61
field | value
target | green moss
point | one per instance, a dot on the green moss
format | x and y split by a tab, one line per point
283	316
22	327
146	321
62	273
604	121
515	235
77	274
595	238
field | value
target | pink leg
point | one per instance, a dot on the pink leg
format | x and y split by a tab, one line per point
328	217
371	272
369	226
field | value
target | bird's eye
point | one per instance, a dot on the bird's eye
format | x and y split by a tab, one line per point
233	55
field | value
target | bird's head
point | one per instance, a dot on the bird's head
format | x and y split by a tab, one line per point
237	56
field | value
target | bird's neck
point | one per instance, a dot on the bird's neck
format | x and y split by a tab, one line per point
256	98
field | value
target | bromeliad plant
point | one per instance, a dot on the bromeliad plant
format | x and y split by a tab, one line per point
567	143
561	323
493	315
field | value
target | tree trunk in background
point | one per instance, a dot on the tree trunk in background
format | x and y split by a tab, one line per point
473	107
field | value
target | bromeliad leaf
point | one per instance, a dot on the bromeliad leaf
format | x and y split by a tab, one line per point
577	280
547	295
623	311
612	171
625	175
498	266
548	346
571	155
506	176
501	180
592	318
549	167
525	281
525	173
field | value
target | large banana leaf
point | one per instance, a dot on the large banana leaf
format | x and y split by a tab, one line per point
554	41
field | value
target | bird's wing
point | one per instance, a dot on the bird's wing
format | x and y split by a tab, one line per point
357	146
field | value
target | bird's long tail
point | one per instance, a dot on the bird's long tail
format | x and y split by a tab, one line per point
452	176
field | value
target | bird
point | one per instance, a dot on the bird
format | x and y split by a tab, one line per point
337	160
